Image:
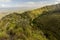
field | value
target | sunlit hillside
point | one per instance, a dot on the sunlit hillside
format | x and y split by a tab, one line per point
38	24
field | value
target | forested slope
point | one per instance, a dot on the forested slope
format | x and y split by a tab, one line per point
39	24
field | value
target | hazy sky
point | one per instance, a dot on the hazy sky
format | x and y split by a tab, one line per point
26	3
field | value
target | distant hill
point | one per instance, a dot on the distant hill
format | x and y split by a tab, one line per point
5	11
39	24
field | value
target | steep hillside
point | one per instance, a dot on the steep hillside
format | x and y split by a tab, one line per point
38	24
49	23
34	13
18	27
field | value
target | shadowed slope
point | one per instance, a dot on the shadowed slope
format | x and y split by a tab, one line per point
45	26
49	23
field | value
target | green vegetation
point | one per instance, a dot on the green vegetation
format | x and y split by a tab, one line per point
49	23
39	24
18	27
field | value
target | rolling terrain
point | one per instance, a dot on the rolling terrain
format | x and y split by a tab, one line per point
38	24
